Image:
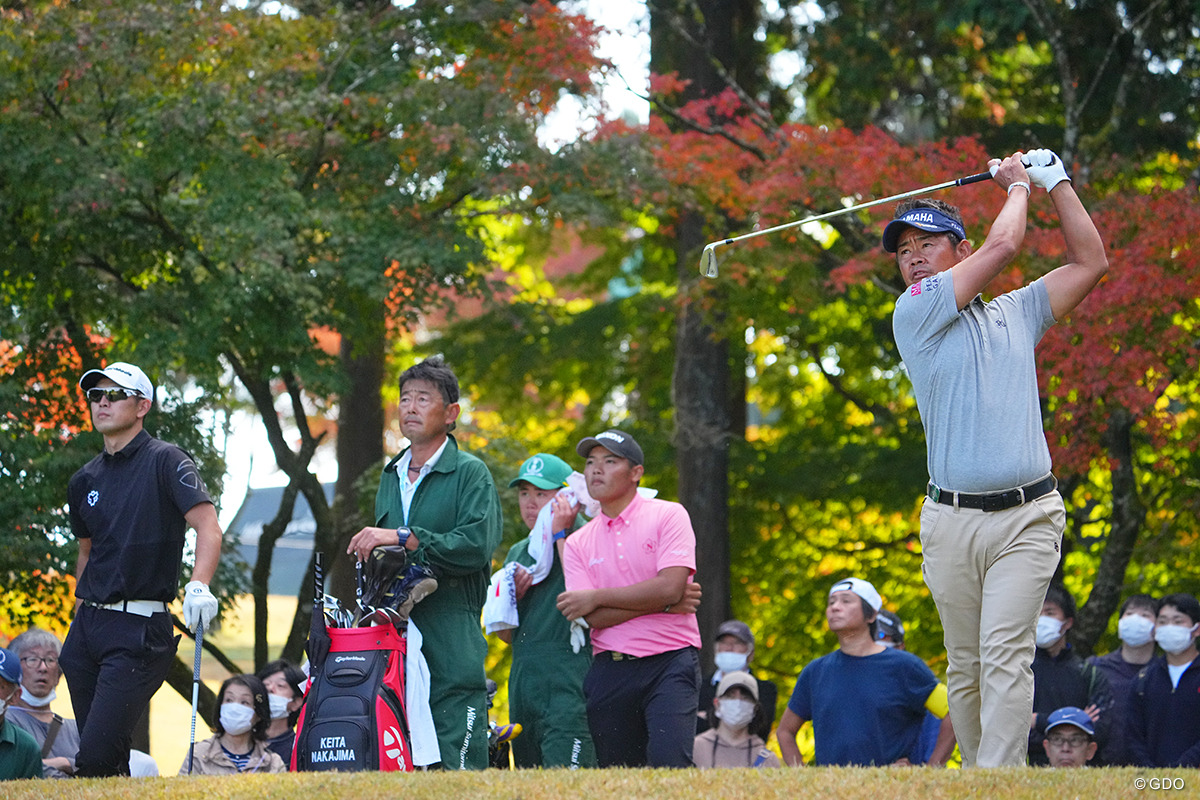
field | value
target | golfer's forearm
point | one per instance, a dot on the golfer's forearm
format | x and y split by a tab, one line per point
203	518
608	617
652	595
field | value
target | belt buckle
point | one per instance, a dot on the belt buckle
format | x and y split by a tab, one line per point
935	493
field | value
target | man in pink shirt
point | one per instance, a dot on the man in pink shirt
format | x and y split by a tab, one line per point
628	575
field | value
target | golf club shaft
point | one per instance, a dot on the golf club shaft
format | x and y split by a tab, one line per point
981	176
195	693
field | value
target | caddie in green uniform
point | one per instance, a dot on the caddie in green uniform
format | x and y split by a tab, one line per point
545	684
441	504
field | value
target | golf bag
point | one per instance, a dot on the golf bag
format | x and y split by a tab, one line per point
354	717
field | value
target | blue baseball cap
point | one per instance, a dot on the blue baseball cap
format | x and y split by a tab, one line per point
1070	715
10	666
926	219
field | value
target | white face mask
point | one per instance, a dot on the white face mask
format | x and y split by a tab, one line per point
4	701
729	661
279	706
34	701
1049	631
1135	630
735	713
1174	638
236	718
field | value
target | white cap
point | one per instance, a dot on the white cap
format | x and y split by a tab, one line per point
861	588
122	374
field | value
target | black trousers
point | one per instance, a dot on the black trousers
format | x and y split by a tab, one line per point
642	712
114	662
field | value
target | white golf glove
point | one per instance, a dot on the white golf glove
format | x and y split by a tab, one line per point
1045	168
199	605
578	640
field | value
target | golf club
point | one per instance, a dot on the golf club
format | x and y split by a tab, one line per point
708	258
358	591
195	692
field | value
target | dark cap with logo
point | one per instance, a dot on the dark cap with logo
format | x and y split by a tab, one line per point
617	442
927	219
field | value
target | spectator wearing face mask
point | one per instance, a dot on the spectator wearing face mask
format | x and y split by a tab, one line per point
733	652
1135	628
40	674
731	743
284	683
239	742
18	752
1164	700
1061	678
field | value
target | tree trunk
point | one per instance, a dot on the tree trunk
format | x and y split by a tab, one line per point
1128	517
709	49
359	450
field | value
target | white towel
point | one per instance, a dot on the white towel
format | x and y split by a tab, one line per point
422	733
577	487
500	607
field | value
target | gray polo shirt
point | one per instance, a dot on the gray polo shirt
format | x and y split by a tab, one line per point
975	380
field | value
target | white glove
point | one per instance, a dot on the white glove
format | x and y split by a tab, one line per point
199	605
578	626
1045	168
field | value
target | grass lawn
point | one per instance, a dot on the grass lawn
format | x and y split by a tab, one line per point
823	783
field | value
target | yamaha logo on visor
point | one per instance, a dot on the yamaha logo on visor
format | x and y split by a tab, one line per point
926	219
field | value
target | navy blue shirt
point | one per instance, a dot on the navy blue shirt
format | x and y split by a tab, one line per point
865	710
131	504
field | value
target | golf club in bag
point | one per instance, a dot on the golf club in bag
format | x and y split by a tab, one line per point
354	715
708	258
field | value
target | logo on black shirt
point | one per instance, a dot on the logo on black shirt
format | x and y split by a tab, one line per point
187	474
93	497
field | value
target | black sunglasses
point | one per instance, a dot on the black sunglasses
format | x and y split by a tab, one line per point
113	395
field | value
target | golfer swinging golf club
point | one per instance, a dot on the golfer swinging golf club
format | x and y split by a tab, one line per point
992	520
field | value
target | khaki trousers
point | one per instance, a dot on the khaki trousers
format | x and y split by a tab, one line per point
988	572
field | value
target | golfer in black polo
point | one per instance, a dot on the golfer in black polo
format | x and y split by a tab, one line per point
130	507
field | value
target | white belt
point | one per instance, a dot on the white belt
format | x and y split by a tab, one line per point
143	608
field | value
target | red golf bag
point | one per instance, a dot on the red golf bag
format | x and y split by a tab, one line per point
354	717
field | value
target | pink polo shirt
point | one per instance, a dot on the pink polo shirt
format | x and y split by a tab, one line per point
647	537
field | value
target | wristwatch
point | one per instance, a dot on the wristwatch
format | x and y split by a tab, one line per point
402	533
560	535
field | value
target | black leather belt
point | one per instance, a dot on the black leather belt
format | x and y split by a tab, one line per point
997	501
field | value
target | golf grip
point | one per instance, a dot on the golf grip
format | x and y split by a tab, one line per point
318	584
976	178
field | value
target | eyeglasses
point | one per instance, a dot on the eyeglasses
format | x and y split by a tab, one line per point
1068	741
112	395
32	662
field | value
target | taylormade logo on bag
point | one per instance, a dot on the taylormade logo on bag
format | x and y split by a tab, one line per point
340	659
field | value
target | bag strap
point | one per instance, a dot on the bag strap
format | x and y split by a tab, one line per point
51	735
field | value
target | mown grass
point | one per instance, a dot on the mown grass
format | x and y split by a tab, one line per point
734	784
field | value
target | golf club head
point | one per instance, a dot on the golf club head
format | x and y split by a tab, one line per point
708	261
